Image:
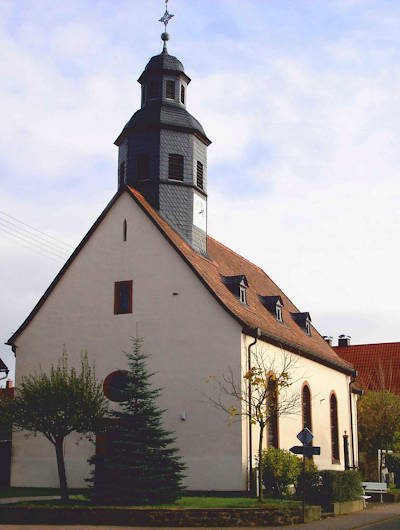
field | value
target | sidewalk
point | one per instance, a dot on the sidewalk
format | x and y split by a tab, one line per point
380	512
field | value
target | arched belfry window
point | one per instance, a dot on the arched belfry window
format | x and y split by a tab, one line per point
175	166
272	413
182	94
306	407
334	428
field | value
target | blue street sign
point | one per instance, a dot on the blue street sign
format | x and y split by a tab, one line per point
305	450
305	436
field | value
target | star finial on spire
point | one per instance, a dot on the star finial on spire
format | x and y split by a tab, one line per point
165	19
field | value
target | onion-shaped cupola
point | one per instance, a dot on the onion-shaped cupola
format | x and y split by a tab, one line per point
163	149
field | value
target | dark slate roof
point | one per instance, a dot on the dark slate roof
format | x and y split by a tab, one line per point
3	367
164	61
159	114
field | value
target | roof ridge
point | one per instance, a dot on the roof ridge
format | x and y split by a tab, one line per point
237	254
367	344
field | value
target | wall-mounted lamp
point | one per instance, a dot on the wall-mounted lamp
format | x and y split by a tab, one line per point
183	415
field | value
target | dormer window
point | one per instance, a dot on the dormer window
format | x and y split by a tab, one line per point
242	294
304	321
278	312
237	286
274	305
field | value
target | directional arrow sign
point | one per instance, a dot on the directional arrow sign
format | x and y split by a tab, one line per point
305	436
305	450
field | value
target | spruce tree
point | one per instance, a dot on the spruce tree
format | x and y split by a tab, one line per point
138	465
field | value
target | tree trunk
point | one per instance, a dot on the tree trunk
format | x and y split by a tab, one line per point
260	466
61	468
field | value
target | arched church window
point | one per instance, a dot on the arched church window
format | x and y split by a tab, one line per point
142	166
153	90
200	175
175	166
170	89
306	406
334	429
182	94
115	386
272	412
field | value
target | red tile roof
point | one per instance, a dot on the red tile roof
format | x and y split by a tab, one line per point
224	261
378	365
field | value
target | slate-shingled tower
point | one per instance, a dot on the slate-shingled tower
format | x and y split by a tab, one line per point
163	150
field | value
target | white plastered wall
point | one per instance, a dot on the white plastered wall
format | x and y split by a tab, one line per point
322	381
188	334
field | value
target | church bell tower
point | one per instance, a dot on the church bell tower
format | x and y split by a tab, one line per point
163	148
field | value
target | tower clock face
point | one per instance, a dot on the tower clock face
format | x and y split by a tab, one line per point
199	212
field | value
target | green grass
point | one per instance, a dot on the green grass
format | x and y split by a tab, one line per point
79	498
34	492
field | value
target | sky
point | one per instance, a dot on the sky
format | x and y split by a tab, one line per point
301	99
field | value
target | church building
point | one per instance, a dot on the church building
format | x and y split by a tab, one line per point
148	268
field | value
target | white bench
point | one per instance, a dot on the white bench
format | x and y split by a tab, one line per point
374	487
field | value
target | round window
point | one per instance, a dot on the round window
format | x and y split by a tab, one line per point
115	385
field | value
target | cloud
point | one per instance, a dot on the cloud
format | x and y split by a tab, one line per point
301	102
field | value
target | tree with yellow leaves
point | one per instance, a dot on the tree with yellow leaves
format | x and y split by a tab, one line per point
262	394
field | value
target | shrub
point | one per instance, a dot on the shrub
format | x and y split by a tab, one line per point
308	481
280	469
392	462
325	487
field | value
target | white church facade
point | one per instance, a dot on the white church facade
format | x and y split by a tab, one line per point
147	267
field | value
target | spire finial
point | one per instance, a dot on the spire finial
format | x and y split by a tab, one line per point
165	19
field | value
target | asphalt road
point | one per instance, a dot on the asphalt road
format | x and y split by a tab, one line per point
393	524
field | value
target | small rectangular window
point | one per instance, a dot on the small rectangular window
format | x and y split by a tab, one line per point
182	94
200	180
170	90
142	166
279	313
122	297
175	167
153	90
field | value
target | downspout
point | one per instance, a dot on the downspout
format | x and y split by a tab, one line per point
250	480
351	420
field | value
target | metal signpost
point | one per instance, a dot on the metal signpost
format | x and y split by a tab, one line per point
305	437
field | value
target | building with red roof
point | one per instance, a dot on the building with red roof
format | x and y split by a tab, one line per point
378	365
148	268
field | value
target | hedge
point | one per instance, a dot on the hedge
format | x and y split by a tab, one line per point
325	487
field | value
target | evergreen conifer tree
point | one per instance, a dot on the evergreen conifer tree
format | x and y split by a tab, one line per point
138	465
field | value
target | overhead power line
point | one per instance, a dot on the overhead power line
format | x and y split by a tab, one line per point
33	238
62	243
35	249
